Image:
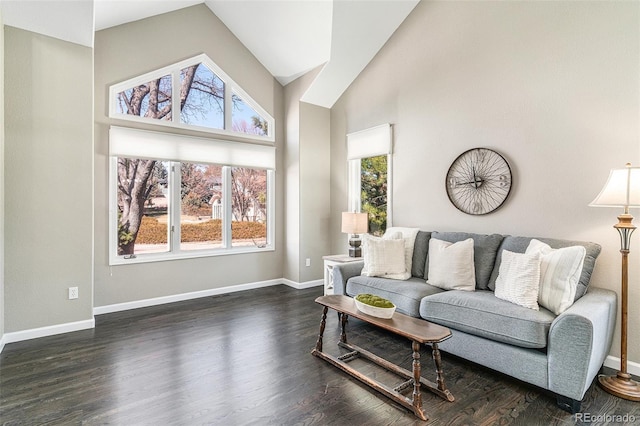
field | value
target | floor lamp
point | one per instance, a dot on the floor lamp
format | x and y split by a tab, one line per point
622	190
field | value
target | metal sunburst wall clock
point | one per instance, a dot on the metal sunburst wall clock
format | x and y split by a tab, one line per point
478	181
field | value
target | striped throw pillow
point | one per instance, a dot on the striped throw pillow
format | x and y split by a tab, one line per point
519	278
560	271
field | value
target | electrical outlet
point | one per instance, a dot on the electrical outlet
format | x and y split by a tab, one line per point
73	293
308	262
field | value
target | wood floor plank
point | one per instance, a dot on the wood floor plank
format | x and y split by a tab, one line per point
243	359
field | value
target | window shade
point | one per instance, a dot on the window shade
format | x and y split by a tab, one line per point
369	143
134	143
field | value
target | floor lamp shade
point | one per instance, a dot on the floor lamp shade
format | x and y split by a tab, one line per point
354	224
622	190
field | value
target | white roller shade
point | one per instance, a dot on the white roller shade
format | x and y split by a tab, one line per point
134	143
369	143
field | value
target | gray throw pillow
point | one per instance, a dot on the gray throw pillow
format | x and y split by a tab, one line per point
420	251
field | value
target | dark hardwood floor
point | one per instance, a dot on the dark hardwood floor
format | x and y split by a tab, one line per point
244	358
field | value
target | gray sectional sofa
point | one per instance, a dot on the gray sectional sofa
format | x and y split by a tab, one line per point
562	353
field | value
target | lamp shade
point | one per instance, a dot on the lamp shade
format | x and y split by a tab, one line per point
355	223
621	190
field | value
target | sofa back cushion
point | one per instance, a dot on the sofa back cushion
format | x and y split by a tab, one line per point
485	248
520	244
420	252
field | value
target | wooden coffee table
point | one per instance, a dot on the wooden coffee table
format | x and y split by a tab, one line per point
417	330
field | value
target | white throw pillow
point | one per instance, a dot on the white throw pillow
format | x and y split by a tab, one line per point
451	265
560	271
409	235
519	278
383	257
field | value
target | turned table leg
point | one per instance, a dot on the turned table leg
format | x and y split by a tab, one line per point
417	396
438	361
323	323
343	325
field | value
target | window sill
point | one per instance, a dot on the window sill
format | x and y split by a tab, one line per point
165	257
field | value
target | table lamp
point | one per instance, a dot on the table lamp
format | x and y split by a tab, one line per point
622	190
354	224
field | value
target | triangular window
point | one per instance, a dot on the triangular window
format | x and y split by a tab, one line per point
201	97
150	100
209	101
245	119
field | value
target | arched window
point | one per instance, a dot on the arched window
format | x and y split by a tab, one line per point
193	94
175	196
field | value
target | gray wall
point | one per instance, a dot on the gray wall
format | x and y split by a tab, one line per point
307	160
48	180
1	181
553	86
315	175
133	49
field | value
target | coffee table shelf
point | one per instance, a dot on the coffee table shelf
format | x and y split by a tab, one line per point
417	330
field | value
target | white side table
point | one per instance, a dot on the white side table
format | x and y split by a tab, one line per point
329	263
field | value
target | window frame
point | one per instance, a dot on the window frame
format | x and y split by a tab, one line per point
173	239
368	143
173	70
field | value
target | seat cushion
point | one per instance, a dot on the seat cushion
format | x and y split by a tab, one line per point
482	314
406	295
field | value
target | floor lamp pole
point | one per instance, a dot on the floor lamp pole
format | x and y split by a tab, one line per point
621	385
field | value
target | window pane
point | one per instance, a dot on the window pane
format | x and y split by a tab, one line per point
249	207
150	100
201	97
373	184
143	206
200	206
246	120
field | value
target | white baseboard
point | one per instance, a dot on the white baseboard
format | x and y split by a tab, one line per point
34	333
614	362
1	343
118	307
301	286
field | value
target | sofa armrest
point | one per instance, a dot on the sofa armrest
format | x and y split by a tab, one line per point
579	341
342	272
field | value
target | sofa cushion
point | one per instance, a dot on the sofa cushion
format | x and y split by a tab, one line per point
520	244
420	252
519	279
482	314
409	236
384	257
406	295
560	271
485	248
451	265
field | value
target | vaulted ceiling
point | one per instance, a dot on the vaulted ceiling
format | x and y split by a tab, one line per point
289	37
